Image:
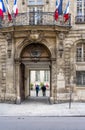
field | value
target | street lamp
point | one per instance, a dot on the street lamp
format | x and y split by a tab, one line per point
70	91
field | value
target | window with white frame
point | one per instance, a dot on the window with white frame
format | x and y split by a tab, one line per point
35	15
35	11
80	52
37	75
80	78
35	2
80	10
46	75
79	7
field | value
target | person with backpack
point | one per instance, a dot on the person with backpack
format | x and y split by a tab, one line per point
43	90
37	89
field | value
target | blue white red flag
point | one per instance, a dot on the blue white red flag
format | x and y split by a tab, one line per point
58	10
8	11
15	8
60	7
66	13
2	9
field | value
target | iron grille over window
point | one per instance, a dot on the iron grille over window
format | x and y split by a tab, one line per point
80	78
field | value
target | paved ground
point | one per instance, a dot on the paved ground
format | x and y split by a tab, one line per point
41	107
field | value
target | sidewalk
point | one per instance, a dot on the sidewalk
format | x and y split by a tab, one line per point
42	109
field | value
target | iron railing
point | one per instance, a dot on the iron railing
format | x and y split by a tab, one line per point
34	18
80	19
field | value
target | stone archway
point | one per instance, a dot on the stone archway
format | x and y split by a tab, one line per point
33	56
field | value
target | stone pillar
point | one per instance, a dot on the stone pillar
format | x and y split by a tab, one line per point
17	82
60	65
10	88
53	95
2	68
67	64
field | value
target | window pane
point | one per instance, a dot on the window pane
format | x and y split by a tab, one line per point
83	52
79	53
35	2
39	2
46	75
79	7
37	75
84	78
35	15
31	2
80	77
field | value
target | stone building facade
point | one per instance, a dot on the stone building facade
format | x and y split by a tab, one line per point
34	40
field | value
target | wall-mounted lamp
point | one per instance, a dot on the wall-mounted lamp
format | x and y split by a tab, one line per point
60	50
23	2
47	1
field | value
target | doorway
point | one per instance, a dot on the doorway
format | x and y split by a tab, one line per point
35	69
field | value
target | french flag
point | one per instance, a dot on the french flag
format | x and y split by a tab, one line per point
15	8
66	13
58	10
2	9
8	11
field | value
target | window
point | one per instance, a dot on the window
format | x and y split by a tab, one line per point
35	2
79	7
35	15
80	53
35	11
46	75
37	75
31	2
80	11
80	78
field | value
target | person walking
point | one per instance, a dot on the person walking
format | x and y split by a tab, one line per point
37	89
44	90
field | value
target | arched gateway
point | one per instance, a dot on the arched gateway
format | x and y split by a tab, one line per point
34	56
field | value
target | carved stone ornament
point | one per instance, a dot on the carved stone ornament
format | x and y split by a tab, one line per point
61	36
35	53
8	36
36	35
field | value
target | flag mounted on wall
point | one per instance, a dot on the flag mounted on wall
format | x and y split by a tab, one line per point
15	8
2	9
66	13
8	11
58	10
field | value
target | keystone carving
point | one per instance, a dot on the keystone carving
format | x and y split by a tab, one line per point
36	36
61	36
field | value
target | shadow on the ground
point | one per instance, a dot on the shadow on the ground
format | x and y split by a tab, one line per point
35	100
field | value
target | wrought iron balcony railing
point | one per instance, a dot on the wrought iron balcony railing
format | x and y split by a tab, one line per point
35	18
80	19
